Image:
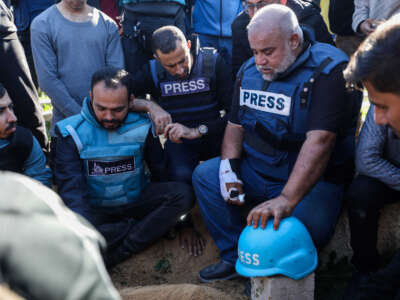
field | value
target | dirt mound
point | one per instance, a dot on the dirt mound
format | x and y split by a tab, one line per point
173	292
165	263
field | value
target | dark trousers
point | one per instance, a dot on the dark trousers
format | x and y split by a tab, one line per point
16	78
366	196
133	228
183	158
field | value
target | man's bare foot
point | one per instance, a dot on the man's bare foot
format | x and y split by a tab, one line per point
191	240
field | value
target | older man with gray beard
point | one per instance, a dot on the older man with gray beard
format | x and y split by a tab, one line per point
288	147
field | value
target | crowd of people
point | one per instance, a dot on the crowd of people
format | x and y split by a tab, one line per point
256	106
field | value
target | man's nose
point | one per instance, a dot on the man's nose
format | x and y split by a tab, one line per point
11	116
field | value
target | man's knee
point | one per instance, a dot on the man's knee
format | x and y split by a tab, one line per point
184	196
363	196
206	171
181	174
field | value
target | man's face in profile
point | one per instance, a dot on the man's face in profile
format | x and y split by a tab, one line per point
178	62
8	120
386	108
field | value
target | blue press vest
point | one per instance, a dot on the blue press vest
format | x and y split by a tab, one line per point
113	159
281	108
193	100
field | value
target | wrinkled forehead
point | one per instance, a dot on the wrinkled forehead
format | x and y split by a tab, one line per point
175	56
272	36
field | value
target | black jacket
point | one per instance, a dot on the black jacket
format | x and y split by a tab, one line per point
341	16
7	26
307	13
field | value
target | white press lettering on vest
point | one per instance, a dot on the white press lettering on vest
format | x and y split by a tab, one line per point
266	101
104	168
248	258
184	87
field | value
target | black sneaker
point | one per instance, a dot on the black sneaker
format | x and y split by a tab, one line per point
219	271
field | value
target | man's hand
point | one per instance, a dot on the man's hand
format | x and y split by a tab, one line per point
160	117
231	186
175	132
191	240
278	208
369	25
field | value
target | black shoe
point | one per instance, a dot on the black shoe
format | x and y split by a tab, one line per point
219	271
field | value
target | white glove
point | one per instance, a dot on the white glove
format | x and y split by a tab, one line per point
226	175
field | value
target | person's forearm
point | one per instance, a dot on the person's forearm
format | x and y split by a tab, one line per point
232	143
360	13
142	105
310	164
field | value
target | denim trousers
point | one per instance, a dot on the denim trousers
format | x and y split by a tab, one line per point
318	210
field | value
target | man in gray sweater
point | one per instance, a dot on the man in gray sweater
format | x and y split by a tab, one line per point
376	65
70	41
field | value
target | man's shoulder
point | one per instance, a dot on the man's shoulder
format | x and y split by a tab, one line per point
241	21
303	9
44	17
63	126
106	19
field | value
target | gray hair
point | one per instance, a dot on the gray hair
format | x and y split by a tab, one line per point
276	16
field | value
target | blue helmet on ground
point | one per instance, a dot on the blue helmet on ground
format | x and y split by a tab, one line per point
288	251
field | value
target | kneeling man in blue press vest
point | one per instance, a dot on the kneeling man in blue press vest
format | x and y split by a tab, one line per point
101	173
288	146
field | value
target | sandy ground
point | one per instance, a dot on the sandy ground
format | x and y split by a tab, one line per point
166	263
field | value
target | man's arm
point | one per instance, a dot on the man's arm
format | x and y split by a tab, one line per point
309	167
35	165
114	53
233	141
329	114
143	84
70	179
361	13
46	66
370	150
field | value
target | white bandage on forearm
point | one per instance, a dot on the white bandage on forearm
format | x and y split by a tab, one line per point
226	175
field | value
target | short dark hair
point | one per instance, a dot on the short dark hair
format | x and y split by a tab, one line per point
113	78
377	60
165	38
2	90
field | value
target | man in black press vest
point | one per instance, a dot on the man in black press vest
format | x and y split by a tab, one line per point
191	86
19	150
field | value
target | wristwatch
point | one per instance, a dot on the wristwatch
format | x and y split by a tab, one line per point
203	129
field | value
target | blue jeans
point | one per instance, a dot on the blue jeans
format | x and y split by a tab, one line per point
319	209
219	43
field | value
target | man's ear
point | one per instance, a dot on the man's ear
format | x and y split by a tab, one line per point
294	41
91	95
189	44
130	102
